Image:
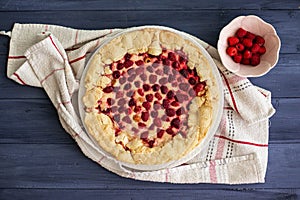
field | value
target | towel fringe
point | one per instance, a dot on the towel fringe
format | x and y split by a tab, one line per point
7	33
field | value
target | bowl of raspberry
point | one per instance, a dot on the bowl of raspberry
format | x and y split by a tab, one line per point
249	46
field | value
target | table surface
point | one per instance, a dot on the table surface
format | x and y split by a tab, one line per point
40	160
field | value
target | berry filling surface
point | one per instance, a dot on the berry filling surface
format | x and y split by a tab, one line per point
150	96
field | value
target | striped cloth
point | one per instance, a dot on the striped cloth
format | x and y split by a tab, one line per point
54	57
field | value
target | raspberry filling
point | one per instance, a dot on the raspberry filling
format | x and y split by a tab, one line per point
151	95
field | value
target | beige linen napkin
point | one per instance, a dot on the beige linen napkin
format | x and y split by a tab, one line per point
54	57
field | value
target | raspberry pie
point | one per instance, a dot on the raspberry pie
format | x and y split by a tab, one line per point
150	96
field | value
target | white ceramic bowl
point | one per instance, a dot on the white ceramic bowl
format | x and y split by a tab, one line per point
257	26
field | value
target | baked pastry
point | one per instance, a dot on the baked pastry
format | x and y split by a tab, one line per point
150	96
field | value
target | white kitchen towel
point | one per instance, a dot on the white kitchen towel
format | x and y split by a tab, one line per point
54	57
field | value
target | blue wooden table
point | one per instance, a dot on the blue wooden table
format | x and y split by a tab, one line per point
38	160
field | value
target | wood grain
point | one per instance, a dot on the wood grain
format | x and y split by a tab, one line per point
205	24
64	166
187	194
34	5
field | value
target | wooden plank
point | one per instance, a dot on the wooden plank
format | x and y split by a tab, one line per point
36	121
30	121
72	194
18	5
63	166
205	24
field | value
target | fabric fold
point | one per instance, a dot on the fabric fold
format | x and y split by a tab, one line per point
43	56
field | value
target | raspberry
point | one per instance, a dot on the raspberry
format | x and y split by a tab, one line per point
120	66
137	109
247	54
146	105
237	58
149	97
175	103
152	78
140	124
166	69
137	84
128	63
184	73
170	131
239	47
154	114
159	72
255	48
170	112
259	40
127	86
158	96
156	105
157	122
179	111
150	69
166	62
175	65
140	91
184	86
108	89
164	89
163	81
139	62
233	41
143	77
175	123
126	119
241	33
127	56
110	101
231	51
170	94
181	97
166	104
145	116
245	61
131	102
155	87
262	50
131	78
255	60
250	35
144	135
192	81
146	87
156	64
171	56
247	42
160	133
182	59
199	87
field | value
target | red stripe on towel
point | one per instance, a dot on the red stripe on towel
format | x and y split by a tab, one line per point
212	172
230	92
16	57
242	142
77	59
18	77
56	47
51	74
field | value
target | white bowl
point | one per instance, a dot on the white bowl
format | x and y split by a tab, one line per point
257	26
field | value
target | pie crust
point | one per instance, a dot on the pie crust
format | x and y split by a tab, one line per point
116	115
